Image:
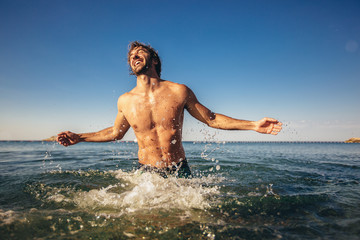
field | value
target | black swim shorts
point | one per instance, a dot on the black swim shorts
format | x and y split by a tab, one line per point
181	170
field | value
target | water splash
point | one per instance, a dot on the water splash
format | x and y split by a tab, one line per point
128	192
149	191
48	158
270	192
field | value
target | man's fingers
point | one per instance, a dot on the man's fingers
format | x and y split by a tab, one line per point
270	126
63	140
276	129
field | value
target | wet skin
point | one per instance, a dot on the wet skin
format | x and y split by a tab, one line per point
155	111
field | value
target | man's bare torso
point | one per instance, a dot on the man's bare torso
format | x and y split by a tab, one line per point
156	117
155	110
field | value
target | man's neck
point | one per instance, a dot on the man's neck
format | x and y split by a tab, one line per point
147	82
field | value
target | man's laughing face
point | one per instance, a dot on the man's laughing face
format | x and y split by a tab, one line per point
139	60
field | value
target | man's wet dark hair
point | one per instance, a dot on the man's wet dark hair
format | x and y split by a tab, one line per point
153	55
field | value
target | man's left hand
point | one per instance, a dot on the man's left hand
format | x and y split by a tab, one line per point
268	126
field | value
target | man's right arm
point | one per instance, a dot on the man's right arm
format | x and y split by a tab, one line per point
116	132
220	121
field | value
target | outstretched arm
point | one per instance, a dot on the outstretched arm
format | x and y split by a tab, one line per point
220	121
116	132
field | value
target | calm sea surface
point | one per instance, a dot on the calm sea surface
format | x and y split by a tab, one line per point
239	191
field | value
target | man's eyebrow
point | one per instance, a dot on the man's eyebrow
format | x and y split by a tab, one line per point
137	50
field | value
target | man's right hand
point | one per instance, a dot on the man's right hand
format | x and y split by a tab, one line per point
68	138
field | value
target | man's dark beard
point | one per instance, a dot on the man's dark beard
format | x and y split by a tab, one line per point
144	69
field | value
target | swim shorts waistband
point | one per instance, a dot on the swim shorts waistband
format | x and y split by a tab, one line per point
181	169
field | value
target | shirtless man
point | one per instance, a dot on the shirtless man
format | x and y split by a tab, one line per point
155	111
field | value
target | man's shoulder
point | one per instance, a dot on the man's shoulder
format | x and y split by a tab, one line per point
133	92
176	86
124	98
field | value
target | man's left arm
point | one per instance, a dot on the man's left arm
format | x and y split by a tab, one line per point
220	121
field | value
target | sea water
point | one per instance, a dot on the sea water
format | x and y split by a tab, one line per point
239	191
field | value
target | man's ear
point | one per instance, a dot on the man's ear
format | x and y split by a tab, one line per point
154	61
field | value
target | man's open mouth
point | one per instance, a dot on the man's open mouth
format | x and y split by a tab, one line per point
137	62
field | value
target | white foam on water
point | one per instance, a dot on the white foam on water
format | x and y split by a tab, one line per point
151	191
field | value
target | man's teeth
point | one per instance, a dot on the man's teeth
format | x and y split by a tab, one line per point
137	62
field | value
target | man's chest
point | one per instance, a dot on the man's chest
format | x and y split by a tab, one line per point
155	110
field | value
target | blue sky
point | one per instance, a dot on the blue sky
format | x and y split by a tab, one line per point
63	64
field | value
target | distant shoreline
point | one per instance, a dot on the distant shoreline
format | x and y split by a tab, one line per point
353	140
